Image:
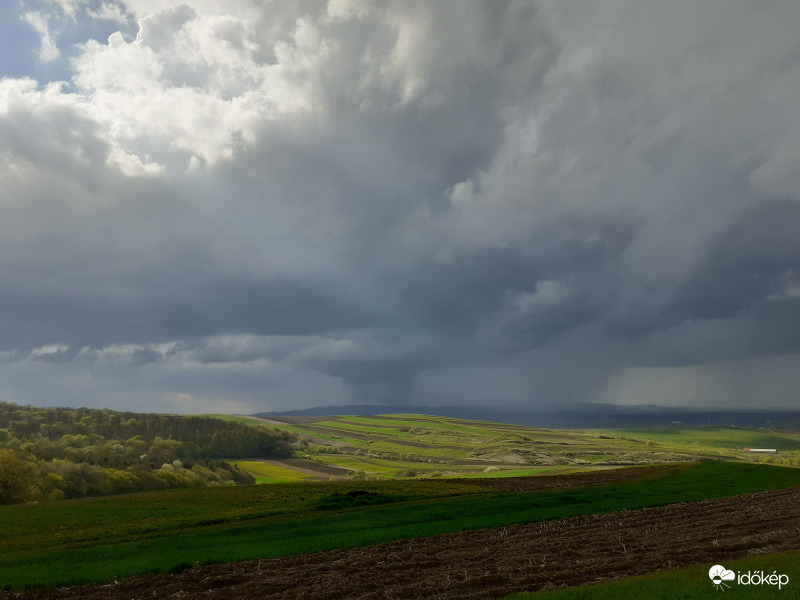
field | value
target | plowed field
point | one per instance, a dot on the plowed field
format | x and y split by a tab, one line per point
492	562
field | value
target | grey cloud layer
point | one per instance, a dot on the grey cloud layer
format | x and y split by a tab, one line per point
301	204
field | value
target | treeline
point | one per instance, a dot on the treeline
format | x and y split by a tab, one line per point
57	453
199	437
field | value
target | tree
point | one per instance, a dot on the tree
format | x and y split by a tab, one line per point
17	478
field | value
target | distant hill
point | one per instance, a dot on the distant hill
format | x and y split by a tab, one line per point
572	416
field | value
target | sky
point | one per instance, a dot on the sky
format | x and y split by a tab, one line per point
243	205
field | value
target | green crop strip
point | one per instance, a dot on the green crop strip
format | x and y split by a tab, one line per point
430	423
733	438
689	582
154	535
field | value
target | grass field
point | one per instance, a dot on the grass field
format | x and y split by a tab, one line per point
98	539
94	540
687	583
266	473
388	446
715	437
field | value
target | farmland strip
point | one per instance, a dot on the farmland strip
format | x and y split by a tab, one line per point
492	562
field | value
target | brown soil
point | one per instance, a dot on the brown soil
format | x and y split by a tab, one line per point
492	562
567	480
325	469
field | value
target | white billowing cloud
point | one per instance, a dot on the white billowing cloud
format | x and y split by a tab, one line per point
199	83
348	10
207	78
45	128
109	11
49	351
128	354
146	99
66	220
141	8
49	50
133	165
70	8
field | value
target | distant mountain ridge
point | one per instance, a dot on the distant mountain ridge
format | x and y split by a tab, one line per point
572	416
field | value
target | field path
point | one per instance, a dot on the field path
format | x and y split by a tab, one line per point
492	562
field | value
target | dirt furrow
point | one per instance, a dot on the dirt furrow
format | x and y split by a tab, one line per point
493	562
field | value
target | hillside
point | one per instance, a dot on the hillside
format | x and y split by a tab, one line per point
578	415
404	445
692	513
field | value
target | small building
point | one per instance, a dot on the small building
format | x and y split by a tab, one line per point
760	450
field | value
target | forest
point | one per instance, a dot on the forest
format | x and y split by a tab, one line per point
62	453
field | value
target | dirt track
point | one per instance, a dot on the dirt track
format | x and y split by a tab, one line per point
493	562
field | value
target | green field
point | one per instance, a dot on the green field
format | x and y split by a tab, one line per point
401	445
266	473
724	438
97	539
689	583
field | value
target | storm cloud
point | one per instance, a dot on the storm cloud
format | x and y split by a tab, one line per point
250	206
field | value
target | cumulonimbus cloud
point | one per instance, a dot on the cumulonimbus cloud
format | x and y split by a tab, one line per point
427	190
